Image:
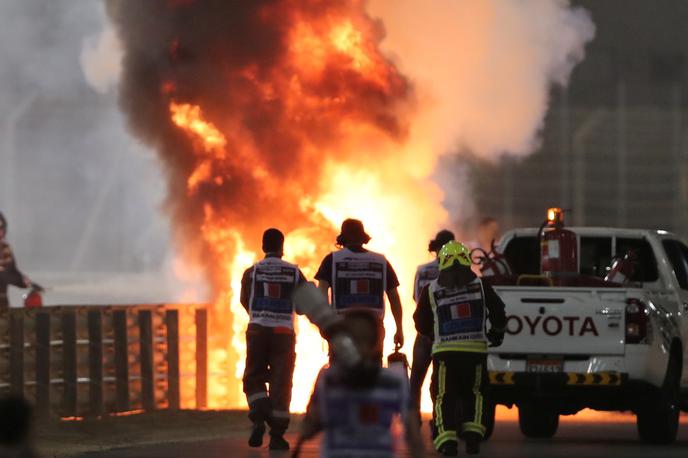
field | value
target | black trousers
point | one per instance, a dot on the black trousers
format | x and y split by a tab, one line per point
460	378
270	359
422	357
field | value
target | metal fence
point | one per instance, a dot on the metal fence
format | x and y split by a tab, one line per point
75	361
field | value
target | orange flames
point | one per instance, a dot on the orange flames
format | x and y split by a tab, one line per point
342	109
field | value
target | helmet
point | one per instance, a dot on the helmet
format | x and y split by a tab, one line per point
454	251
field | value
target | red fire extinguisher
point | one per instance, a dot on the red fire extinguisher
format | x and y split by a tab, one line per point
558	248
623	268
34	298
398	362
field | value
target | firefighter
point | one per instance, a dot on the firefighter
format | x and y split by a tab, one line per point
422	347
266	289
9	274
453	311
356	412
359	278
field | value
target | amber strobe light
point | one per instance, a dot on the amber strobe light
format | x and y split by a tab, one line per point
555	215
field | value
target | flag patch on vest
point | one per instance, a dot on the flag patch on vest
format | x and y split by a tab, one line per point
273	290
360	286
460	311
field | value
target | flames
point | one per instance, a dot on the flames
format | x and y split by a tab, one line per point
276	114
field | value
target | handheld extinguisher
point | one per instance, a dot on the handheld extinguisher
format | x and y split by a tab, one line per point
34	297
398	362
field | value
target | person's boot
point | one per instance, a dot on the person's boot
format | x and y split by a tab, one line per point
472	443
449	448
277	442
256	439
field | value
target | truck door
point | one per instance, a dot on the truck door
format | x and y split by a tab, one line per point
677	253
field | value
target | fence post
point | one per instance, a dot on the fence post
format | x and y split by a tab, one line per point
146	350
69	405
95	362
119	323
172	322
43	363
201	358
16	353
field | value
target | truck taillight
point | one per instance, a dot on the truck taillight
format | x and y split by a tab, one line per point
636	321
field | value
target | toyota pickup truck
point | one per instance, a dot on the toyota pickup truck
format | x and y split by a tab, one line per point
607	347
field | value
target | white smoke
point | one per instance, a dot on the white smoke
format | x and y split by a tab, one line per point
101	59
483	70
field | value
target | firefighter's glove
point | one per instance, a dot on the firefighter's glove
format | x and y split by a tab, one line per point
495	337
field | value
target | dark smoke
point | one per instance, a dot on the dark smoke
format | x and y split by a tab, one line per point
222	55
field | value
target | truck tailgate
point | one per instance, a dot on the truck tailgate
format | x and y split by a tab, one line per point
563	321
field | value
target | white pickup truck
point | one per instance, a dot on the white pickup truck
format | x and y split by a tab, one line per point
604	348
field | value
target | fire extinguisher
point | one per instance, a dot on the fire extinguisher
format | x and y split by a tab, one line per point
558	247
398	362
623	268
493	264
34	298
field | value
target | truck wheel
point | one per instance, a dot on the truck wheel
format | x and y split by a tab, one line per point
657	419
537	420
489	419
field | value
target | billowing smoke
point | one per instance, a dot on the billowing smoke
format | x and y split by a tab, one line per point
289	85
485	67
295	114
483	70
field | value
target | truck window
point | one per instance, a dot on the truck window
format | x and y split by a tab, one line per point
677	253
595	256
523	254
646	269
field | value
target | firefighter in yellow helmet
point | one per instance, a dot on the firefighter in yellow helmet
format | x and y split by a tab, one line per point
453	311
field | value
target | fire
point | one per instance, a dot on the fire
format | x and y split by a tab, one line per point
282	114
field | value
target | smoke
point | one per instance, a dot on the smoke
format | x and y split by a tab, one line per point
284	100
101	57
80	194
485	68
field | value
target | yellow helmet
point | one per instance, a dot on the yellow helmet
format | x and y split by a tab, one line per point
454	251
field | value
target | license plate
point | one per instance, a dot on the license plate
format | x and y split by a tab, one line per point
545	365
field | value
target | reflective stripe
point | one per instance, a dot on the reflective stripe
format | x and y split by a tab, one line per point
280	414
438	399
478	416
444	437
255	396
470	346
470	426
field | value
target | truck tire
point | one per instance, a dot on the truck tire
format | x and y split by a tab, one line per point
537	420
658	418
489	419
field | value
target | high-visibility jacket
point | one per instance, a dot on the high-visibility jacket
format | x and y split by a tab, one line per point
460	316
358	280
272	282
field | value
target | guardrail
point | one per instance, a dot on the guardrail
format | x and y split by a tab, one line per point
77	361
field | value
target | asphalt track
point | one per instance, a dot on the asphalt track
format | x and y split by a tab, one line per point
609	439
